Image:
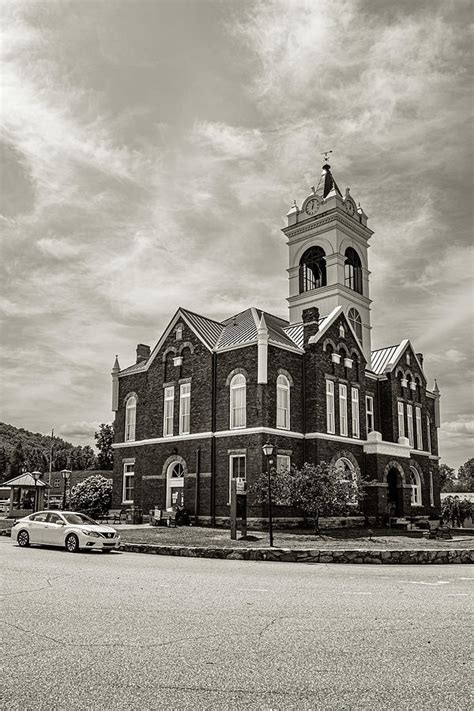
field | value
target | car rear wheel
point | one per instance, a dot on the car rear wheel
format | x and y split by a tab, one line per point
23	539
72	543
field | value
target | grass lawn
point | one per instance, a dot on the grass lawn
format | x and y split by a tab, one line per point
338	539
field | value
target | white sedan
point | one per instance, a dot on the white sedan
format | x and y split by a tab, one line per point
67	529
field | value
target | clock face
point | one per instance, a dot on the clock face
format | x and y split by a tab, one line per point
312	206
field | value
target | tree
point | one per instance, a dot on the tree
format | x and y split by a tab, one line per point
447	477
315	490
4	464
466	476
104	440
455	510
17	461
92	496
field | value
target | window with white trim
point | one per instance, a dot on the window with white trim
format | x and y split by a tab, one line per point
179	332
128	479
369	413
168	411
330	417
355	412
415	482
428	432
237	468
343	410
419	432
238	402
130	418
283	402
283	463
411	437
184	408
401	420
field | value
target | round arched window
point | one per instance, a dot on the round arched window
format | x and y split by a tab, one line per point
356	322
313	269
177	470
353	270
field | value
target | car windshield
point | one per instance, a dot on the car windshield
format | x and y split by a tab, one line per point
79	518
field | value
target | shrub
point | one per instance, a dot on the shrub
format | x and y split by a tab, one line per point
92	496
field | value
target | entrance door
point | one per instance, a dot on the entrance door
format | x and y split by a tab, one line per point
175	485
394	493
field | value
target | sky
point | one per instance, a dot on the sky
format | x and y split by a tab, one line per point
151	149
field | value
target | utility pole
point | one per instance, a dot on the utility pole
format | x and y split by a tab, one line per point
50	468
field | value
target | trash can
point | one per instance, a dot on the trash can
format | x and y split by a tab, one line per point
136	515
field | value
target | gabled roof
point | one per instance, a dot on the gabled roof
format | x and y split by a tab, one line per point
209	329
25	479
238	331
384	360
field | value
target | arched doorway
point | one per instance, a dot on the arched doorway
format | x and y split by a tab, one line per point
175	485
394	493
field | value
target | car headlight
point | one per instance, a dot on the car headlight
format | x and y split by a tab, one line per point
94	534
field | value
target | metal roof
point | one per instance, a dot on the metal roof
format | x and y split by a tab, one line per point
209	330
238	330
25	479
381	358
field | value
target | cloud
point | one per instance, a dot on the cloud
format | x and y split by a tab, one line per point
459	427
79	430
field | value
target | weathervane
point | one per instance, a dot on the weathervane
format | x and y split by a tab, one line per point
326	155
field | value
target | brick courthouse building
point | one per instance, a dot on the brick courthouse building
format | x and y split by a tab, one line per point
195	411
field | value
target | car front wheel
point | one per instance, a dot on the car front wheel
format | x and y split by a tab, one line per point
72	543
23	539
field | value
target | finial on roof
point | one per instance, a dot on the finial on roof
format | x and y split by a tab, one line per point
116	367
325	155
436	388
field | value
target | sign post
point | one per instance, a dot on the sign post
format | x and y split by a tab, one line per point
238	507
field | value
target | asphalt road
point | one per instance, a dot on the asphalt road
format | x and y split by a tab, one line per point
126	631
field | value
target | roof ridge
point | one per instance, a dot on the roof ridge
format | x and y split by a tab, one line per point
383	348
194	313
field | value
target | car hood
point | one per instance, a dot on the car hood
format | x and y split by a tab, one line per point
98	529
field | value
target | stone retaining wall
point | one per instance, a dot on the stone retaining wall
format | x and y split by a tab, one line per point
287	555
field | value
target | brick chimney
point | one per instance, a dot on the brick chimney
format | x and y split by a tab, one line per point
310	324
143	352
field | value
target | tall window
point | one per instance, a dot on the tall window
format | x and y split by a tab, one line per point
184	408
369	410
355	412
283	462
343	410
419	433
353	270
401	420
238	403
428	432
237	468
283	402
411	437
356	322
415	482
330	417
313	269
168	412
130	418
128	475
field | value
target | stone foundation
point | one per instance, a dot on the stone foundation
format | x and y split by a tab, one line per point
286	555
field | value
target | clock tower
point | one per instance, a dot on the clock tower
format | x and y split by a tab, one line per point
328	266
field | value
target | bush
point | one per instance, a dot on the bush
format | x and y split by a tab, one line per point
92	496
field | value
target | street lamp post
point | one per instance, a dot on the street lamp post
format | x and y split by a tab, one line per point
268	450
65	473
36	476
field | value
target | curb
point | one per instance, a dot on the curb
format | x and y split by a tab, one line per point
303	555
